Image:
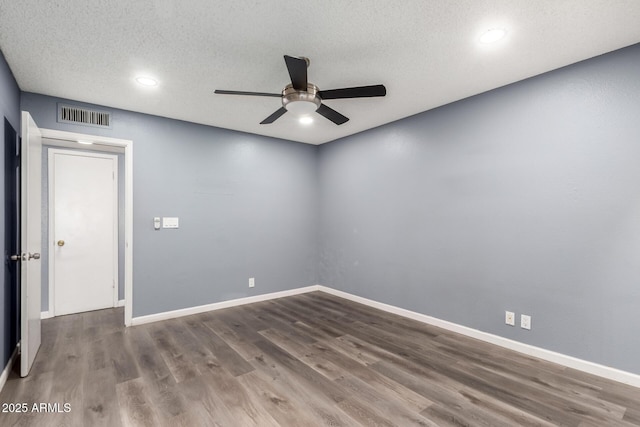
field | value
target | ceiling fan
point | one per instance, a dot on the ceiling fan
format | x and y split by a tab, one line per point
302	98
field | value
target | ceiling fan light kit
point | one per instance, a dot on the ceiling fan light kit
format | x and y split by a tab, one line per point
301	102
303	98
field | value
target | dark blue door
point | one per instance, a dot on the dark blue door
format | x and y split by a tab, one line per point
11	309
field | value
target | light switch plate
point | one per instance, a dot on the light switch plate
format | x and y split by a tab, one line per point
170	222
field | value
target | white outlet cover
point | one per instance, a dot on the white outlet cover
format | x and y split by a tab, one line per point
525	322
510	318
252	282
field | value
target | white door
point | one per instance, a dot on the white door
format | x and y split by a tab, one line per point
30	242
84	210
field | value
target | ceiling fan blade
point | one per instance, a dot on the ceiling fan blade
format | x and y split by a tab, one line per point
354	92
332	114
272	118
237	92
297	71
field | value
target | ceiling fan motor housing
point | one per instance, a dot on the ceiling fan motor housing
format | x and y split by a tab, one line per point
301	102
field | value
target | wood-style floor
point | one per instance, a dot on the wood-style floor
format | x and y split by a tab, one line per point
306	360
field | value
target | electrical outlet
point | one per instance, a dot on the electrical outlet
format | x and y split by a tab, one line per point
525	322
510	318
252	282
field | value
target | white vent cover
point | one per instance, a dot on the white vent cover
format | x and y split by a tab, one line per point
83	116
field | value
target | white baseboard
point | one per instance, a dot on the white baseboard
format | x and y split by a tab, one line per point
218	305
48	315
7	369
541	353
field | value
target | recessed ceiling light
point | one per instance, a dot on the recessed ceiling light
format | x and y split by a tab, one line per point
85	142
493	35
306	120
146	81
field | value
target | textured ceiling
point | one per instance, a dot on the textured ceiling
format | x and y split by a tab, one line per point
426	53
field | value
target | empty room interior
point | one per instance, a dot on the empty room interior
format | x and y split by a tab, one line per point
320	213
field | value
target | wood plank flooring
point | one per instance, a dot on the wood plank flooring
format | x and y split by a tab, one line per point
307	360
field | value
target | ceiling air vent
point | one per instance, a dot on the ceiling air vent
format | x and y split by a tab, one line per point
83	116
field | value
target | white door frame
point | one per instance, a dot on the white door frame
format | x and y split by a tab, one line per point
52	244
59	138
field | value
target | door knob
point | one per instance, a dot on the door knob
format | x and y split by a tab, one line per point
60	242
34	255
17	257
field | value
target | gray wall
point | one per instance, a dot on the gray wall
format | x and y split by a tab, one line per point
9	109
247	206
524	198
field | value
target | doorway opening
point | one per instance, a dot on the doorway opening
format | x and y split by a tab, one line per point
122	149
11	308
